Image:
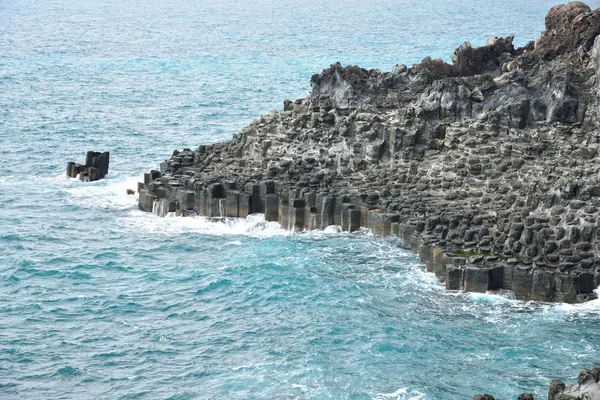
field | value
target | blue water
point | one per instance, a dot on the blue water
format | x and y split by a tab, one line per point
99	300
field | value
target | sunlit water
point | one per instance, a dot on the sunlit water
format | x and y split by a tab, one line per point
100	300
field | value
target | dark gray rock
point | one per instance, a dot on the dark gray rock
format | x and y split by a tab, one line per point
95	167
493	158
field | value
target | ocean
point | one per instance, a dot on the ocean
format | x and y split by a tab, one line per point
99	300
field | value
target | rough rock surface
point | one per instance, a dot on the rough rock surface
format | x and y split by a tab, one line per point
488	166
587	388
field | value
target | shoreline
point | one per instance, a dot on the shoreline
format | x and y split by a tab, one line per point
488	167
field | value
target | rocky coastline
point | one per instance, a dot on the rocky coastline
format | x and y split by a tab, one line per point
487	167
586	388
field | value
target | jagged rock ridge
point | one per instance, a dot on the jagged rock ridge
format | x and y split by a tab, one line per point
488	166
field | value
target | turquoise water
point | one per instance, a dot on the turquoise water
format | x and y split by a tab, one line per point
99	300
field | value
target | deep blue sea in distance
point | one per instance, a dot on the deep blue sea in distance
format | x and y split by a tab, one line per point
99	300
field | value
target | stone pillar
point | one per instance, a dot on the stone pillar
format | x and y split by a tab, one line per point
231	209
154	174
395	228
284	214
388	219
162	207
258	198
454	277
146	200
566	288
272	207
245	205
543	286
375	222
297	211
354	220
70	169
338	202
326	211
439	262
269	187
93	174
312	220
201	202
221	207
311	199
364	216
522	282
186	199
89	158
507	277
585	283
345	222
476	279
102	163
406	233
496	278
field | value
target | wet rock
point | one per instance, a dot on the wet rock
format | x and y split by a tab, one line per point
483	397
95	167
525	396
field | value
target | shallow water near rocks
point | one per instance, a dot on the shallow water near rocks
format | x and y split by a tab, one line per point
100	300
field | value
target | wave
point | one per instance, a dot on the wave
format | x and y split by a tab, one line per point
107	193
592	305
254	225
401	394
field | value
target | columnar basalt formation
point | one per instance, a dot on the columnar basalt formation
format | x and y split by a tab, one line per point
95	167
488	166
586	388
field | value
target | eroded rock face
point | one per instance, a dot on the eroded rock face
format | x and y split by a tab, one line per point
489	166
569	26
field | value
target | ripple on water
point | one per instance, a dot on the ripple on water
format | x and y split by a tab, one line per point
101	300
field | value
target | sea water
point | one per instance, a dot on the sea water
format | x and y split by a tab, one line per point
100	300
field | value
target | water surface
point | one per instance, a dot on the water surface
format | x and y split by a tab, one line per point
100	300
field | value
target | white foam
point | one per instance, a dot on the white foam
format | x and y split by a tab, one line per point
254	225
333	229
107	193
402	394
592	305
488	297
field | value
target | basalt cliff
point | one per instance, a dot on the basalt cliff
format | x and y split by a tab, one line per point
489	166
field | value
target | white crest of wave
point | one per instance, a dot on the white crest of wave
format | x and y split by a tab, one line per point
491	297
402	394
107	193
254	225
592	305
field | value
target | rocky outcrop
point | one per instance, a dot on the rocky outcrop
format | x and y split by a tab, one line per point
488	167
95	167
586	388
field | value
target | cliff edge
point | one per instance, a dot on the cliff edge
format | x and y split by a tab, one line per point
488	166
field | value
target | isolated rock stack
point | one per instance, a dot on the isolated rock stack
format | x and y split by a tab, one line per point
95	167
488	167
